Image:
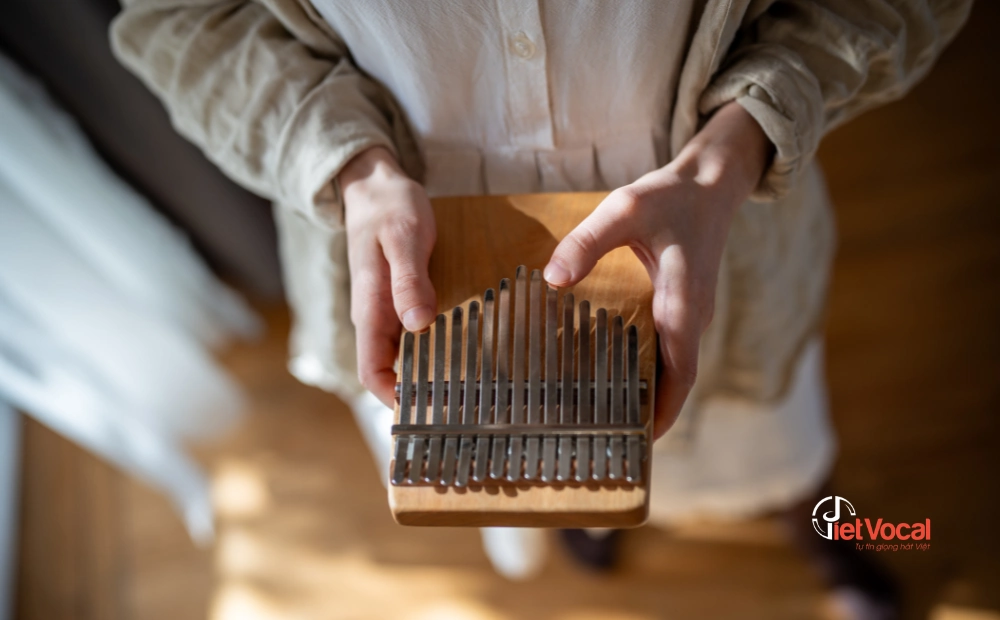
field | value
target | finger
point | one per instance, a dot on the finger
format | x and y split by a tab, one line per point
671	394
680	334
408	251
376	356
610	226
376	326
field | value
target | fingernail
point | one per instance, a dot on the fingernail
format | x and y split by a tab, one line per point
555	274
417	318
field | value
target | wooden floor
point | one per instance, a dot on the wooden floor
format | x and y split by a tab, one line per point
914	369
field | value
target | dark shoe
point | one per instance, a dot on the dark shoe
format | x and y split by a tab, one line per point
596	552
860	587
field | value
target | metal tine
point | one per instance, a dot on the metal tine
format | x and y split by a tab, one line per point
517	398
485	388
566	402
454	394
534	371
583	408
469	403
551	376
634	472
617	406
420	417
433	472
405	405
601	393
503	350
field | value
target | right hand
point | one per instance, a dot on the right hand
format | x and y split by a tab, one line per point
390	235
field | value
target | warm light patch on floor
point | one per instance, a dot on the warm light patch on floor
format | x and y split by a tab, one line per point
238	490
953	612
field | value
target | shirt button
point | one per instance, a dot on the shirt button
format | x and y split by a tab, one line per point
521	46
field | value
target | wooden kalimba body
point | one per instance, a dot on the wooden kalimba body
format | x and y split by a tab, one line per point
523	405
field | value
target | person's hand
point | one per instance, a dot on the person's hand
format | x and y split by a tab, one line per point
390	235
676	220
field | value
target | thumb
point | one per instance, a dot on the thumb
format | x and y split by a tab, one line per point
607	228
412	292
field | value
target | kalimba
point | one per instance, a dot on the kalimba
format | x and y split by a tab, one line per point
524	405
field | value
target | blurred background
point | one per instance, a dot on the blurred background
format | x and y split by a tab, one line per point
302	527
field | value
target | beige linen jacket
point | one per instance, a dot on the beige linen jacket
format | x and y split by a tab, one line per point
270	93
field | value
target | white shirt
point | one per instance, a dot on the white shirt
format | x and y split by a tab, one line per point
525	96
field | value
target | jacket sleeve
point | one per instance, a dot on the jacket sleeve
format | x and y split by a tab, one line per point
278	115
802	67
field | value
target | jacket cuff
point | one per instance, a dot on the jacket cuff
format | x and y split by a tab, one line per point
773	85
318	141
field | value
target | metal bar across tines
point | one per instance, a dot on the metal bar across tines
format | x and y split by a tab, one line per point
485	384
534	371
469	402
433	472
574	386
403	443
500	415
559	430
416	456
514	466
566	401
454	406
587	428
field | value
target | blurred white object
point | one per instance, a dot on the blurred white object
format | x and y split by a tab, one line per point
106	313
517	553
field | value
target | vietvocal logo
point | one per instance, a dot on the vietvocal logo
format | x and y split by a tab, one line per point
831	518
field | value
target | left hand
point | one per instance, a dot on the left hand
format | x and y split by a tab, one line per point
676	219
390	235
